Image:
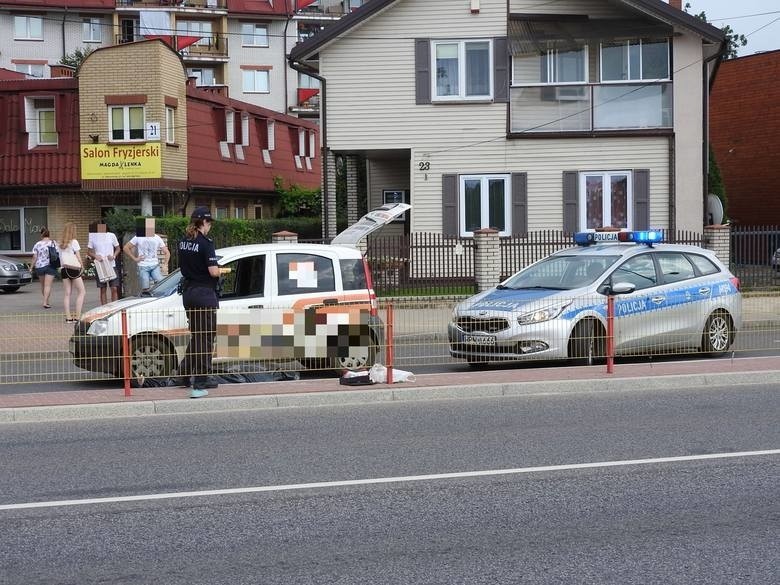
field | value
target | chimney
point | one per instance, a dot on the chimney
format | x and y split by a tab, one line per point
61	70
676	4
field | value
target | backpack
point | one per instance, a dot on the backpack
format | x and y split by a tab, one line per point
54	256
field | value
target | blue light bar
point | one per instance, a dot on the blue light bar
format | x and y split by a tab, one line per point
648	237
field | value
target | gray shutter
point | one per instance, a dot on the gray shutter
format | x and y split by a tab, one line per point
520	203
641	199
571	202
449	205
500	70
422	71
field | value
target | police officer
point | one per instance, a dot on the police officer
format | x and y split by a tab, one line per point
200	277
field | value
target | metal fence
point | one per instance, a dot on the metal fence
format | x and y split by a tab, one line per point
752	250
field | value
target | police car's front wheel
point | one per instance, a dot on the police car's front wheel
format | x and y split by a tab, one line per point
587	343
718	334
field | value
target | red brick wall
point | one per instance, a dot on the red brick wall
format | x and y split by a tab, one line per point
745	132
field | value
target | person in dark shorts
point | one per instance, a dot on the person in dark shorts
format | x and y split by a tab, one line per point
200	277
42	265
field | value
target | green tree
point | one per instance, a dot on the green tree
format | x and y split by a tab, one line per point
298	201
75	58
734	41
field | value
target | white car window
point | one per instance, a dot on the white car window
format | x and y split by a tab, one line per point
675	267
704	265
639	271
245	279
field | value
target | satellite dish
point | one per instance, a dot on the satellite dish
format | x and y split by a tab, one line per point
714	210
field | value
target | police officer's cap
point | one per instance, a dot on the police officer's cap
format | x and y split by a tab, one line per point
202	213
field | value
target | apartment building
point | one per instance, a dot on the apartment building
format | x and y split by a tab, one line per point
239	44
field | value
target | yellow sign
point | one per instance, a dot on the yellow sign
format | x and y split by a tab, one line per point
127	161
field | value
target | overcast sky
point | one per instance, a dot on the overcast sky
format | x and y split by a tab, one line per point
758	20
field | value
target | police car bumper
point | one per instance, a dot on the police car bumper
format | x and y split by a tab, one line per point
540	341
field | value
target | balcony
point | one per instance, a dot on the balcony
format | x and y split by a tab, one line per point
186	5
213	47
591	108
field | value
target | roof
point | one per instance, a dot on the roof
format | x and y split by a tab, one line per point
657	9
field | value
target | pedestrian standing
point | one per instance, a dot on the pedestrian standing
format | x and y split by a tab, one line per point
144	251
42	265
71	269
200	277
103	245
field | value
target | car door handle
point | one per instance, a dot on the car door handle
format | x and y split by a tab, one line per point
255	307
658	300
704	291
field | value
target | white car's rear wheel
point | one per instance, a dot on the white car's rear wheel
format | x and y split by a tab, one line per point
718	333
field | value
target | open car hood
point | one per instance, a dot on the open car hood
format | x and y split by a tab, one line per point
370	222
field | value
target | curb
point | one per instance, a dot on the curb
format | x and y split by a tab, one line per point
380	395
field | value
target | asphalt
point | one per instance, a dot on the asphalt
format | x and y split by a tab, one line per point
759	312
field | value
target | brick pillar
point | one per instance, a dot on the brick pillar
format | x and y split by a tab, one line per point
487	258
352	187
329	196
284	237
718	239
676	4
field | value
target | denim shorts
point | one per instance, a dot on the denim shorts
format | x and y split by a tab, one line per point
45	271
148	273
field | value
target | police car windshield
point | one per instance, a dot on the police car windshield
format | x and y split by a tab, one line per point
562	272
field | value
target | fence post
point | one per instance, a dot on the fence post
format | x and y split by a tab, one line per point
718	239
389	351
487	258
610	334
125	354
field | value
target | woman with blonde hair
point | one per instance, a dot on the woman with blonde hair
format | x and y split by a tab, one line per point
70	258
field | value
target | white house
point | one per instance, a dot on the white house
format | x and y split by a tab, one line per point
517	114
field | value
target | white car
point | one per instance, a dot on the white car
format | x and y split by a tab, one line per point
310	302
667	298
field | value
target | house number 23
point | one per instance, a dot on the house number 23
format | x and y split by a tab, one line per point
425	165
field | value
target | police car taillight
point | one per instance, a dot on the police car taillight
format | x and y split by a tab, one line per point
374	311
735	281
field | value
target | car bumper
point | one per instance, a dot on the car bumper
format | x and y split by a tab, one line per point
96	353
541	341
19	279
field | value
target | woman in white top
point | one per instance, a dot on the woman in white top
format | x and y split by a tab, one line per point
70	259
42	265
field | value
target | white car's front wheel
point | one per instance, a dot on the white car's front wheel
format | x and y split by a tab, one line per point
150	357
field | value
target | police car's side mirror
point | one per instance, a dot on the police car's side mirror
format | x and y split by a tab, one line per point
622	288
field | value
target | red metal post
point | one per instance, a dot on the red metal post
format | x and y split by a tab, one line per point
125	354
389	342
610	334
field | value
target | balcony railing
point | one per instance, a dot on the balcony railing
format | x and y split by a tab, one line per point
202	4
587	108
210	46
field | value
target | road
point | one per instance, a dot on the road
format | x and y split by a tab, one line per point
614	510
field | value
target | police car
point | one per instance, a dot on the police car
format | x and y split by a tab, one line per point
667	298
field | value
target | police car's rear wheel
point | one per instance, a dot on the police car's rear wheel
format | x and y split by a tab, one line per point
360	357
150	357
587	343
718	333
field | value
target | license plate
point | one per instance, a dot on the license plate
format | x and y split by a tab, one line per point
480	339
26	275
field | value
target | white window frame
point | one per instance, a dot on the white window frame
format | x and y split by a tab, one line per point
198	74
461	71
606	209
92	30
170	125
26	226
33	125
126	123
196	28
36	70
551	59
641	78
255	39
256	75
244	129
29	29
484	208
230	126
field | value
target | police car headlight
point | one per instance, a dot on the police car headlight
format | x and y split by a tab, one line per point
543	314
98	327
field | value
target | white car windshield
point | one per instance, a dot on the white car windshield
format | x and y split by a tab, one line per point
561	273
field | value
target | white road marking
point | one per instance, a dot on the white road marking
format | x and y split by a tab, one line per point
384	480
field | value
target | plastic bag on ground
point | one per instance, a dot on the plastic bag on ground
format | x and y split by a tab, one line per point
378	375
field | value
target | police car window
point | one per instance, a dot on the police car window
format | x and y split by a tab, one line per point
353	274
704	265
639	271
304	273
675	267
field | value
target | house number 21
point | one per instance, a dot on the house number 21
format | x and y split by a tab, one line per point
425	165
